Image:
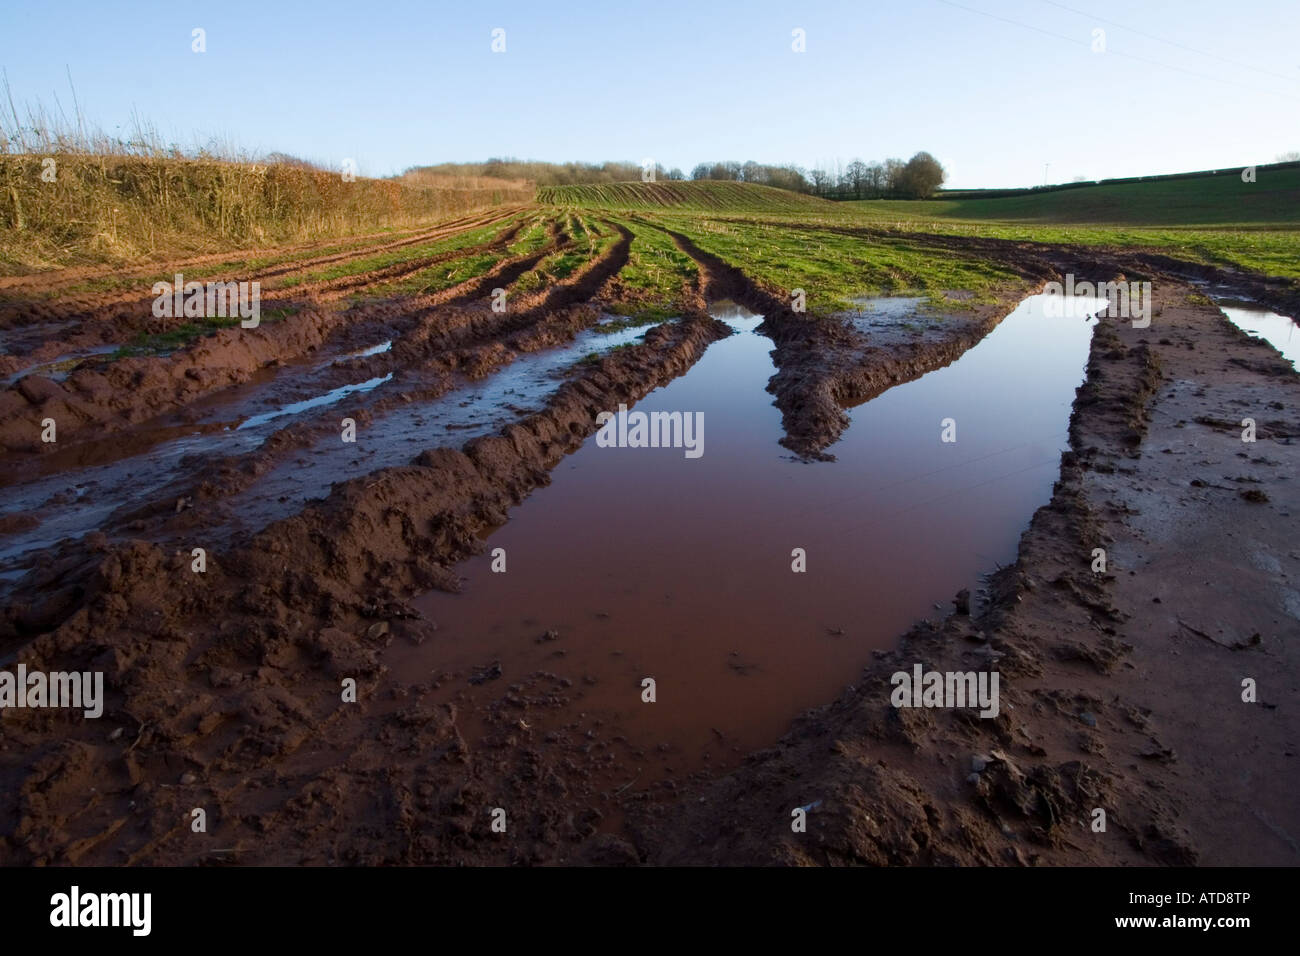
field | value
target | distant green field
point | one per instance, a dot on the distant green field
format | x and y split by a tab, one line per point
1211	219
703	195
1219	200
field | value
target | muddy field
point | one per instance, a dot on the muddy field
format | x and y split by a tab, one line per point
329	563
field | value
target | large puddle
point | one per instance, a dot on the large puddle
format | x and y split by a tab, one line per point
644	562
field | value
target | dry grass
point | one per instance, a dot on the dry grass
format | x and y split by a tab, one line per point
126	208
70	195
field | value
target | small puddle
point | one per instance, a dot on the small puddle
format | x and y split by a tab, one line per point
1254	319
329	398
648	563
60	368
875	311
1279	331
366	353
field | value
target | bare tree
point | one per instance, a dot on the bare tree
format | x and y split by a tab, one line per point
856	178
893	177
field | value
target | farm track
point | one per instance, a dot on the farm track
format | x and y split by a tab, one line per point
134	389
114	318
46	282
224	687
435	342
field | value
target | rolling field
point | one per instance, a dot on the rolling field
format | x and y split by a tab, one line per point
695	196
1215	220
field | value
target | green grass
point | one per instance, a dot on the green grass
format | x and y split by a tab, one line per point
159	343
563	263
531	238
433	279
1217	220
832	267
391	257
656	274
1217	200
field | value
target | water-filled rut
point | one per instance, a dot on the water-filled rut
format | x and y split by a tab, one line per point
82	490
641	562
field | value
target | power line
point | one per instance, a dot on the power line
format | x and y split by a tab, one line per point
1173	43
1127	56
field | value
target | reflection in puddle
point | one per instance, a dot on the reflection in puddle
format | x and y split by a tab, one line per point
1279	331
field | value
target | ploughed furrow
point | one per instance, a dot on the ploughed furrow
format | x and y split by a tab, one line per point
421	376
60	328
283	260
200	463
327	289
73	338
132	389
358	345
446	229
443	329
52	280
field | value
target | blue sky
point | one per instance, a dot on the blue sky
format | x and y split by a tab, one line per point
404	83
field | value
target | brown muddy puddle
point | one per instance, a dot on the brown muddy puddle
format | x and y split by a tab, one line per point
644	562
75	494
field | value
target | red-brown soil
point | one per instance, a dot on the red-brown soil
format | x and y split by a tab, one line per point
1120	691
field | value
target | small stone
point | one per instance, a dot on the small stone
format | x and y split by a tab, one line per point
973	778
978	763
116	734
188	778
1088	718
378	629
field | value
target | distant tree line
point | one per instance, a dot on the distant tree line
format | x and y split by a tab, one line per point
918	178
546	174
